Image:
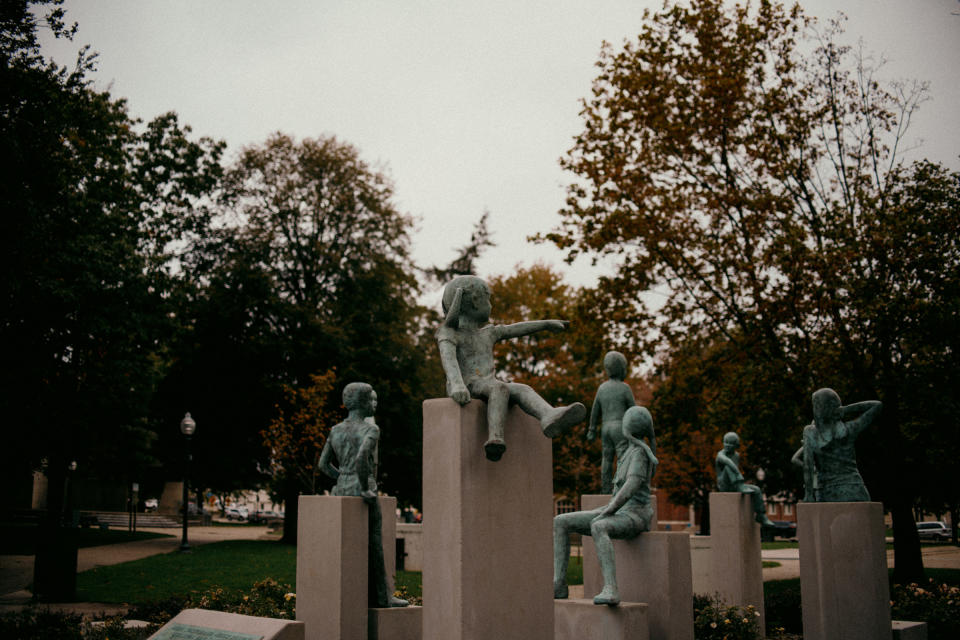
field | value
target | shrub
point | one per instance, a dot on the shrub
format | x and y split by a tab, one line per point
43	624
714	620
936	604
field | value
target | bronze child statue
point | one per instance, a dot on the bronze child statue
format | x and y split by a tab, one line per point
627	515
730	479
613	398
466	352
354	443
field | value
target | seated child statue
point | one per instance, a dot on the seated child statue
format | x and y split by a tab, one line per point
627	515
614	397
730	479
354	443
466	352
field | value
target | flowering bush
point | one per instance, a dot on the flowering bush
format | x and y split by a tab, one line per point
936	604
713	620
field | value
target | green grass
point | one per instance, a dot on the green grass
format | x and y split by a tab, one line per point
780	544
232	564
770	564
21	539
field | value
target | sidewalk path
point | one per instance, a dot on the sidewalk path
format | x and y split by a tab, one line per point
16	572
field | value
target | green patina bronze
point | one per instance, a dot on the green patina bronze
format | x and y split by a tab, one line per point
627	515
466	352
828	455
354	442
730	479
613	399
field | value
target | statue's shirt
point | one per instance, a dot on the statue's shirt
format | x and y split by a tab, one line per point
346	439
474	350
836	466
728	479
638	461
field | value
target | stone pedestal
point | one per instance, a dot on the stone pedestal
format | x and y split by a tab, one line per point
582	620
653	568
487	527
843	571
728	561
332	534
404	623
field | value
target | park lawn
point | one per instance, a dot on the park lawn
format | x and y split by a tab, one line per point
231	565
21	539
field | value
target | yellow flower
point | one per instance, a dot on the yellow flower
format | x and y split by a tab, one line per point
726	621
713	625
289	596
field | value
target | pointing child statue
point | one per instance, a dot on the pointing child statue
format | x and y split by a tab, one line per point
354	443
466	351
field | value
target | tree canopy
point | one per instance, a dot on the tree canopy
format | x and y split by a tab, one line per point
744	163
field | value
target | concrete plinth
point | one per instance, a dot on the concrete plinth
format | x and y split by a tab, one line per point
581	619
405	623
196	623
906	630
332	534
728	561
843	571
487	528
653	568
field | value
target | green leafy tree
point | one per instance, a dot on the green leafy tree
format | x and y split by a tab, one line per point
744	164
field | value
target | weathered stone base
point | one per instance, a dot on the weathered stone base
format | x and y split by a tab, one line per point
487	556
266	628
332	534
728	562
843	571
583	620
653	568
404	623
905	630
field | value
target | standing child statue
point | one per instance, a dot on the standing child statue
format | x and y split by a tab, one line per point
729	477
626	516
828	455
354	443
466	352
613	399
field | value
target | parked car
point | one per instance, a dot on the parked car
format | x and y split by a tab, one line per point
265	516
237	513
780	529
933	531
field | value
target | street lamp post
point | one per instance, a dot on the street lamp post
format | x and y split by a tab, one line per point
187	427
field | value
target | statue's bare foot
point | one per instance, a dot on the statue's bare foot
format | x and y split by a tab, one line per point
559	421
609	596
398	602
560	591
764	520
494	449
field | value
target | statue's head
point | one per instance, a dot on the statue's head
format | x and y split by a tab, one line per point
638	423
476	297
731	441
826	406
360	396
615	364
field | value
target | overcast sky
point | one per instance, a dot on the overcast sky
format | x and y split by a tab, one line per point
468	105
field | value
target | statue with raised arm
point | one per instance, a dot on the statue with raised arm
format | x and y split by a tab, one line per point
613	399
466	352
828	455
730	479
626	516
354	443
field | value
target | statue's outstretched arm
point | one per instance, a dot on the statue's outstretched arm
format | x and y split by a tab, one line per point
532	326
325	465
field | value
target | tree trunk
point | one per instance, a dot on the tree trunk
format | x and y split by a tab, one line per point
703	511
55	561
291	498
907	559
954	514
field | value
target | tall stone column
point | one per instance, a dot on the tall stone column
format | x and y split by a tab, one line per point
487	527
843	570
332	535
728	562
